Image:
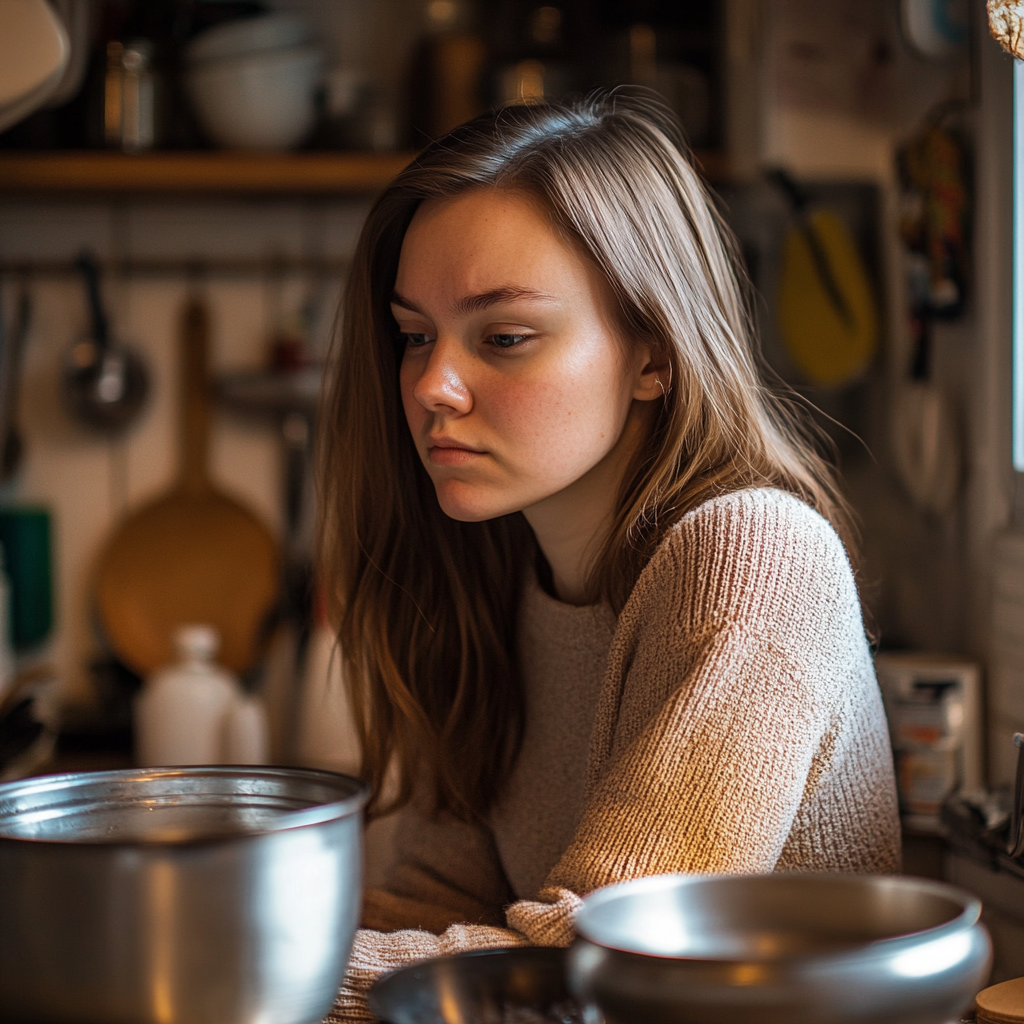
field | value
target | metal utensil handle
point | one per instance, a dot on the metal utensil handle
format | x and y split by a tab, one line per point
195	403
89	269
1015	847
12	348
800	201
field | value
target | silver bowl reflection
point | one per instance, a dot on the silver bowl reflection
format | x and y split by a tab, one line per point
483	987
779	949
178	895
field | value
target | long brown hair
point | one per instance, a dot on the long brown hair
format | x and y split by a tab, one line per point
425	606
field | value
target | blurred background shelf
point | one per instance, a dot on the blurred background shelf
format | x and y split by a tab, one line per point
199	172
218	172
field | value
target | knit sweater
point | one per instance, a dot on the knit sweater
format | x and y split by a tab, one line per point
731	722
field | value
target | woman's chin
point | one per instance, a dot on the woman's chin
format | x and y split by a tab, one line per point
469	505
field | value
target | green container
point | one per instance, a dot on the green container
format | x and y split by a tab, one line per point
25	536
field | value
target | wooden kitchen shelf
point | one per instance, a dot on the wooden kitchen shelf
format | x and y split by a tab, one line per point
199	172
323	174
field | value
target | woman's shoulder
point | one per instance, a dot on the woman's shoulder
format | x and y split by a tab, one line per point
754	513
751	528
752	554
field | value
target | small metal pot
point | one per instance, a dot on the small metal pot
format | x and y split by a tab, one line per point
178	895
779	949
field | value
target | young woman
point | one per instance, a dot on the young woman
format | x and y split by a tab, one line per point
594	605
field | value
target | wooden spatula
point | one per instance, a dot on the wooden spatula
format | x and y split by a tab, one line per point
194	555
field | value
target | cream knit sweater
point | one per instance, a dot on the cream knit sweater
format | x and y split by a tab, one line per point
728	721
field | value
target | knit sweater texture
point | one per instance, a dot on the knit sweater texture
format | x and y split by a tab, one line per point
728	720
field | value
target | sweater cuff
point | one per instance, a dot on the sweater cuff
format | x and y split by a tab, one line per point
547	920
376	953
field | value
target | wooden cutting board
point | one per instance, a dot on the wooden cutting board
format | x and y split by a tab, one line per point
193	555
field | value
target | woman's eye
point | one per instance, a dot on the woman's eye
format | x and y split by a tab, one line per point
413	340
506	340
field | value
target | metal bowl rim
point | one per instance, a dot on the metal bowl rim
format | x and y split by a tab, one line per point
385	981
968	916
318	814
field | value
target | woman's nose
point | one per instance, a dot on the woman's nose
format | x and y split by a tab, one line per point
442	386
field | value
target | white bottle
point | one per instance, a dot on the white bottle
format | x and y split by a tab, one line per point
246	732
182	714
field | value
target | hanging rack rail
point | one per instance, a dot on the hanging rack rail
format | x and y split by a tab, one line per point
270	266
327	174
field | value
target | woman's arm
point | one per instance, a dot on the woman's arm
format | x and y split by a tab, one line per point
446	892
444	871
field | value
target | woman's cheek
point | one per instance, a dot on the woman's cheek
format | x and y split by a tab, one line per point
549	426
528	414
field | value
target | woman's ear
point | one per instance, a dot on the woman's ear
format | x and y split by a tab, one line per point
654	372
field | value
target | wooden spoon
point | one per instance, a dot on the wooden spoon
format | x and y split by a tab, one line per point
194	555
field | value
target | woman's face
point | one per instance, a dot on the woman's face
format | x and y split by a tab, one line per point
515	383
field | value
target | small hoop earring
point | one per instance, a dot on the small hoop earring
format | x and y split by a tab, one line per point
664	393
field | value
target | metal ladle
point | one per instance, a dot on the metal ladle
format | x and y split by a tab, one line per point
105	385
1015	847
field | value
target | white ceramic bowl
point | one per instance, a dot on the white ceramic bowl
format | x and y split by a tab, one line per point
263	101
248	36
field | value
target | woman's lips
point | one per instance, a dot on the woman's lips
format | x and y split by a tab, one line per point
447	453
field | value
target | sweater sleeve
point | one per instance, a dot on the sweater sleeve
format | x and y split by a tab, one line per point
445	871
701	757
446	894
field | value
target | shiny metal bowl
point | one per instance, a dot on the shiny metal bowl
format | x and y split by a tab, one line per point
178	895
482	987
779	949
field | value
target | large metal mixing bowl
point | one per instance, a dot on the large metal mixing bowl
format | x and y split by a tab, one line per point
779	949
178	895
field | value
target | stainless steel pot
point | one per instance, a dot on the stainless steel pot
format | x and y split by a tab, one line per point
178	895
779	949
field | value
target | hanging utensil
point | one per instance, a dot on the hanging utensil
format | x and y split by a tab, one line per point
105	384
1015	847
12	349
926	444
925	440
826	309
194	554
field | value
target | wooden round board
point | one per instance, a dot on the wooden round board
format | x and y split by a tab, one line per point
1002	1003
194	555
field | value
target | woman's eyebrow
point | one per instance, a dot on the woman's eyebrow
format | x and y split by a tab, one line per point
398	299
509	293
475	303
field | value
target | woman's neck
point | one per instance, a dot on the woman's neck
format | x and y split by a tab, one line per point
571	526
